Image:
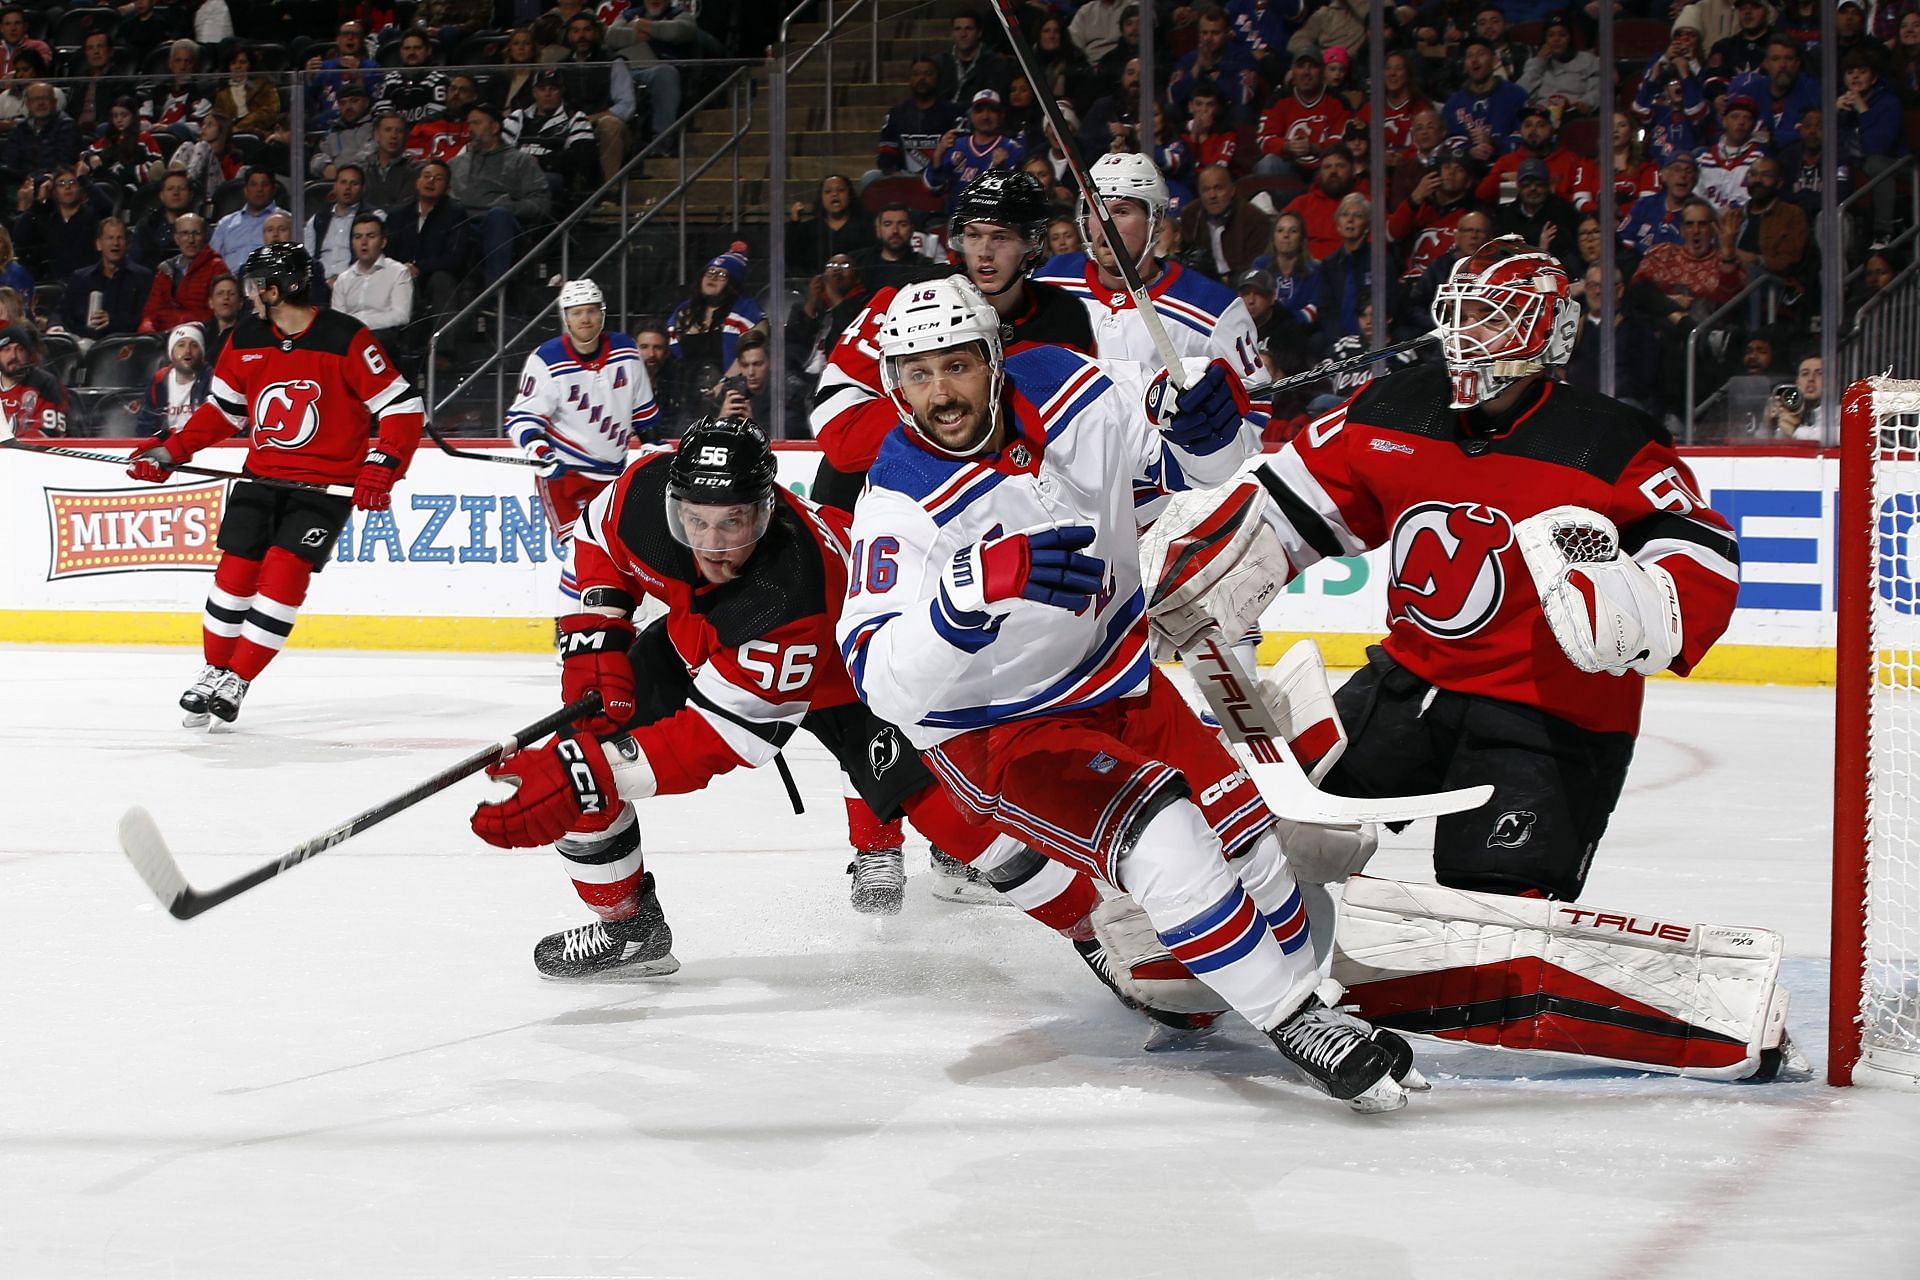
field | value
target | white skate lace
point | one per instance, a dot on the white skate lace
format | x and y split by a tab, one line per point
208	677
584	942
881	869
1322	1036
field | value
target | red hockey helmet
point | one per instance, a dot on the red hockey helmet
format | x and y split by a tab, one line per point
1505	313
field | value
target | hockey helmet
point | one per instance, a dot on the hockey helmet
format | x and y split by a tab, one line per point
1127	175
1006	197
1506	313
720	463
934	316
288	265
580	293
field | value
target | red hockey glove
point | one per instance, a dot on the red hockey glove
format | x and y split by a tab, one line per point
564	785
153	462
593	659
373	491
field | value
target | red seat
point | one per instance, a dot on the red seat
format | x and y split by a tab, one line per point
911	192
1582	137
1526	33
1639	39
1282	188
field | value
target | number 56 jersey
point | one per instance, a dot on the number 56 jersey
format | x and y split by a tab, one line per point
760	648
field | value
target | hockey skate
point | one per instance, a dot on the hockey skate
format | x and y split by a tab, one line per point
195	700
1337	1053
1171	1030
224	700
955	881
640	946
879	882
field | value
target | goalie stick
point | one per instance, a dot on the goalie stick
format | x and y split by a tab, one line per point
1257	741
141	841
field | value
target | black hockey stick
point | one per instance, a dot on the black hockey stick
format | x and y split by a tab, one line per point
10	441
1327	368
141	841
1096	203
504	459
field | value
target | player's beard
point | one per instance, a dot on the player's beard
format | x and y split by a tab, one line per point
963	432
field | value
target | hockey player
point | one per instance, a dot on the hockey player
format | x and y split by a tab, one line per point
583	398
996	614
311	386
1548	550
997	233
31	399
753	578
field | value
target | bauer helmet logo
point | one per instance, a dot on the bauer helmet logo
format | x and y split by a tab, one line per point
1446	574
286	415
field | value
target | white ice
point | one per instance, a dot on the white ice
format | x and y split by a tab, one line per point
353	1070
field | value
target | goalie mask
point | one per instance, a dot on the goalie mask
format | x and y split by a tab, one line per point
936	316
1504	314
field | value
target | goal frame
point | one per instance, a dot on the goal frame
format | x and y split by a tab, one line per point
1862	407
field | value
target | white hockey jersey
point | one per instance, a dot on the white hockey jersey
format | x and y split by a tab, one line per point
1202	317
590	409
1084	445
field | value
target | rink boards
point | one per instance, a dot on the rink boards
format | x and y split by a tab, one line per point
465	560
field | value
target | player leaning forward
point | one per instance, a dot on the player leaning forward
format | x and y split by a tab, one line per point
995	613
311	386
1547	551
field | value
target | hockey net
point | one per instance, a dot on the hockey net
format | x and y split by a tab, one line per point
1874	1018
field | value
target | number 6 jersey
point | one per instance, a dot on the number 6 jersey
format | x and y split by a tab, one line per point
760	648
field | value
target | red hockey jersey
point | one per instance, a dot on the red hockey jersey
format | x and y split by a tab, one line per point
1396	467
850	415
310	401
1321	121
761	648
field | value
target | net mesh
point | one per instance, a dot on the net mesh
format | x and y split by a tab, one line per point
1890	992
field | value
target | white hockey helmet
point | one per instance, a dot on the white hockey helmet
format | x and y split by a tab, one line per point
1127	175
933	316
580	293
1526	319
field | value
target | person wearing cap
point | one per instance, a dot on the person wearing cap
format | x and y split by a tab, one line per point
1340	22
1851	37
350	133
1560	75
910	135
1302	122
1574	176
503	188
559	139
967	66
1228	230
1655	219
1670	99
179	385
705	328
1218	61
31	399
1274	325
1723	166
1421	226
964	157
1746	49
1537	215
1485	109
1336	65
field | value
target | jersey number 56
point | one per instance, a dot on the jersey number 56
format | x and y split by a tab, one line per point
757	659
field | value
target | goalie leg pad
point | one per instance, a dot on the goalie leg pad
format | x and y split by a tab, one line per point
1302	703
1558	977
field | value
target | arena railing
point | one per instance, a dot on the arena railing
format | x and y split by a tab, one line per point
1881	338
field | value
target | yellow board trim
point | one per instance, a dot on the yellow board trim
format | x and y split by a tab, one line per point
1738	663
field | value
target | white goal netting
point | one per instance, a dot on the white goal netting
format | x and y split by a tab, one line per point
1889	959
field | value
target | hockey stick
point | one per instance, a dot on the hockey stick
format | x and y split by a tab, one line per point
10	441
1096	203
141	841
1282	783
1327	368
504	459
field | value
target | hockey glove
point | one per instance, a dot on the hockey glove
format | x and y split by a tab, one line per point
593	659
539	450
1206	417
373	491
1045	566
562	785
153	462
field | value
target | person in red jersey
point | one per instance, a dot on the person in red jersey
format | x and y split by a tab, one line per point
1491	670
324	407
754	579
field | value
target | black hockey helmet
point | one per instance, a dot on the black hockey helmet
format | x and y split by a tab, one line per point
1011	197
288	265
720	462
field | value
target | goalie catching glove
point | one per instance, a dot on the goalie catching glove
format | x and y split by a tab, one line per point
1609	613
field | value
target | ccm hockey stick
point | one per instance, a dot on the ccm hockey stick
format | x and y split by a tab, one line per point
144	846
472	455
1282	783
1096	203
1327	368
10	441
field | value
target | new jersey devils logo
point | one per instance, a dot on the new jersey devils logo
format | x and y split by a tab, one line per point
286	415
1447	578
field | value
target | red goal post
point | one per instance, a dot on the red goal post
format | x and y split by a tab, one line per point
1874	1007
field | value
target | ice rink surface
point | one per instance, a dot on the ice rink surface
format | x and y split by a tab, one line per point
354	1071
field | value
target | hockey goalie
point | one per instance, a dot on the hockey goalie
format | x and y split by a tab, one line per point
1548	550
